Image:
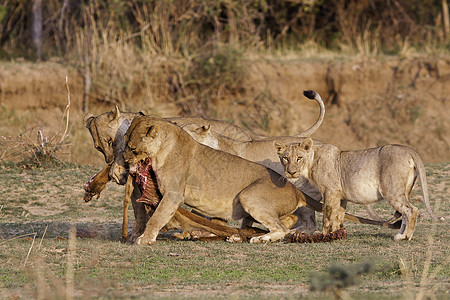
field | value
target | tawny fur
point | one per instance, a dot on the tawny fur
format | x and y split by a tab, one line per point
364	177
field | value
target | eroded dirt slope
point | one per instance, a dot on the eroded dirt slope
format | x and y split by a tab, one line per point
369	102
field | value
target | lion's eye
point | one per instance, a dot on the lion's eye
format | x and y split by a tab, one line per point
133	150
299	158
285	159
99	148
110	142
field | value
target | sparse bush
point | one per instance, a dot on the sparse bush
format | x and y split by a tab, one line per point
27	152
211	76
42	152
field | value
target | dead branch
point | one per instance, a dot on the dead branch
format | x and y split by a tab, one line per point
66	112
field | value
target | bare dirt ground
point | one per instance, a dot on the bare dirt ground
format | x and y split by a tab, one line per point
369	102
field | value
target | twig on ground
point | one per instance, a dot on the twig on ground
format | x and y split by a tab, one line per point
39	248
66	112
29	251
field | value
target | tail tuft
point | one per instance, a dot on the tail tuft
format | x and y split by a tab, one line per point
310	94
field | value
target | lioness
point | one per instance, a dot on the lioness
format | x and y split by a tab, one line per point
364	176
107	131
215	183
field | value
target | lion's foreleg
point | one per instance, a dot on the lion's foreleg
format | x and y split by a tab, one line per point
163	213
331	212
341	213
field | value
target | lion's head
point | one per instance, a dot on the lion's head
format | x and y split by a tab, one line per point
202	134
107	131
296	158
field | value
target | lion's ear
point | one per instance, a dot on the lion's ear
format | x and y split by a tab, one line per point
279	147
152	131
115	113
144	112
88	119
205	129
307	144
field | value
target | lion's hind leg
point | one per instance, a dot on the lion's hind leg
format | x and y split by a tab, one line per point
276	232
269	219
289	220
409	217
265	214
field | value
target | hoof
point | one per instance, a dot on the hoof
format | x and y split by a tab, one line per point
308	230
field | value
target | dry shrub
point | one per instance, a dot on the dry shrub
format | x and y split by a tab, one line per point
384	26
42	151
29	152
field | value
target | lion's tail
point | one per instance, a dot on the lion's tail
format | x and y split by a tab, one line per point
420	168
317	206
316	97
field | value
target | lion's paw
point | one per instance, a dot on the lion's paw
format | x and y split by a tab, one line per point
260	239
143	240
399	237
185	235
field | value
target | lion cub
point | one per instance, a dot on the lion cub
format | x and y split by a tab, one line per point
363	176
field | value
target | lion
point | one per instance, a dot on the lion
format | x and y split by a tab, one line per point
363	176
183	218
107	131
215	183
